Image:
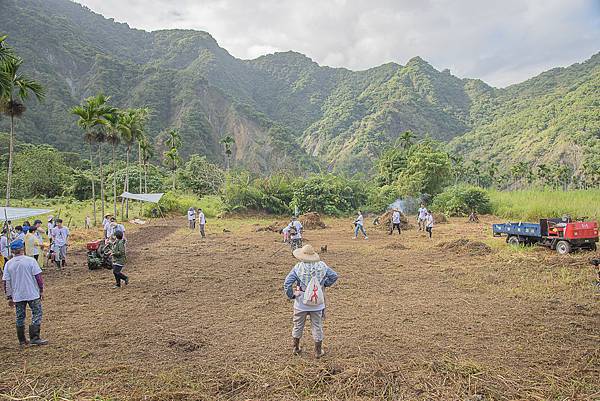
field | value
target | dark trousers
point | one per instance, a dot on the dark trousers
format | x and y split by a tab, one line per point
428	229
394	226
192	224
118	275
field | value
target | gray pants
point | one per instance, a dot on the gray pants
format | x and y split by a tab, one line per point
60	253
202	230
192	224
316	322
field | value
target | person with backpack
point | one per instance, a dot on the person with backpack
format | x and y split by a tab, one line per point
395	223
304	284
359	225
23	285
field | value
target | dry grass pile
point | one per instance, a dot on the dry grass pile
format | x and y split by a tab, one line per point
464	245
396	246
311	221
440	218
384	221
275	227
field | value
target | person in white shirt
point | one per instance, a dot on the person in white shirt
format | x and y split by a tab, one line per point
60	242
201	222
429	223
294	230
421	216
88	222
395	221
106	225
50	226
297	283
112	228
359	225
23	285
4	246
192	218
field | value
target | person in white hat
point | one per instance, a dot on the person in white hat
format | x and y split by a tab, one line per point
304	284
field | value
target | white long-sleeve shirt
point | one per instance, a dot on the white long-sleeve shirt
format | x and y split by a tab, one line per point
360	220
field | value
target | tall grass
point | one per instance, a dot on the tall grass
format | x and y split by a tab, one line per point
536	204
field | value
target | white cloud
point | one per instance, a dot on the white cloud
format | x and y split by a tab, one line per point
501	42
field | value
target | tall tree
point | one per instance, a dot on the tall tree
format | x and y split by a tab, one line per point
407	139
228	143
113	137
132	126
171	156
5	53
147	154
92	116
15	91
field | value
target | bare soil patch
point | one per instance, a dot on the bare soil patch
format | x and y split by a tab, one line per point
207	320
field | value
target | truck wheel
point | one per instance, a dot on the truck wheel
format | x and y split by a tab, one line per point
512	240
563	247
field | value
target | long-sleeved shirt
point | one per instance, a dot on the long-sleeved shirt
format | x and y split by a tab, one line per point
297	226
301	274
118	252
360	220
4	246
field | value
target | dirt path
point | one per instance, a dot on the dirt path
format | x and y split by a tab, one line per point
206	319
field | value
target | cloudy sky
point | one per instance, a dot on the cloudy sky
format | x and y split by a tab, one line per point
501	42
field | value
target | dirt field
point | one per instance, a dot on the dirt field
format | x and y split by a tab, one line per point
410	318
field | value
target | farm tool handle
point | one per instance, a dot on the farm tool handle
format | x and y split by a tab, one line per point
284	245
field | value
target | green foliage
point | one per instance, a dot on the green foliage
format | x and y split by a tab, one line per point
428	170
329	194
179	203
201	177
461	200
532	205
271	195
381	197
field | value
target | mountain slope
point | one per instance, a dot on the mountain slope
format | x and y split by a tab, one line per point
552	118
284	110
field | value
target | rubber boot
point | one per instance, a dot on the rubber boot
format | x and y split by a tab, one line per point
34	335
21	336
319	349
297	348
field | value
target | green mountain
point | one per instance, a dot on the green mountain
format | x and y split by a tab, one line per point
284	110
553	118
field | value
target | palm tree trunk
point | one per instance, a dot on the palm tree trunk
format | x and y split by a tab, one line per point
10	159
145	177
114	164
125	183
101	179
140	173
93	184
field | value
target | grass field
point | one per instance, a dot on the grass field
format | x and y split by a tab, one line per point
409	319
536	204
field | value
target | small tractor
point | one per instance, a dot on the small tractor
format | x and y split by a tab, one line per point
98	255
562	235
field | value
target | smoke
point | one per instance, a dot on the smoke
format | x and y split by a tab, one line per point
408	205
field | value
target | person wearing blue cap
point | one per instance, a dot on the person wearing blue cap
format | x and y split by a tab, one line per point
23	285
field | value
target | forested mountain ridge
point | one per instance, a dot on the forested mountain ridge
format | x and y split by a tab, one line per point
284	110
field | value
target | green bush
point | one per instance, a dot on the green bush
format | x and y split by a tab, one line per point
178	203
381	198
329	194
461	200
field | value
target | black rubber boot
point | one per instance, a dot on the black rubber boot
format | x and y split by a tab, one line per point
297	348
34	335
21	336
319	349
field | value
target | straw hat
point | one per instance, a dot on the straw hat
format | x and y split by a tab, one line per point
306	254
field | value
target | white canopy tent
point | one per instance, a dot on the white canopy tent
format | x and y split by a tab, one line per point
152	198
14	213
